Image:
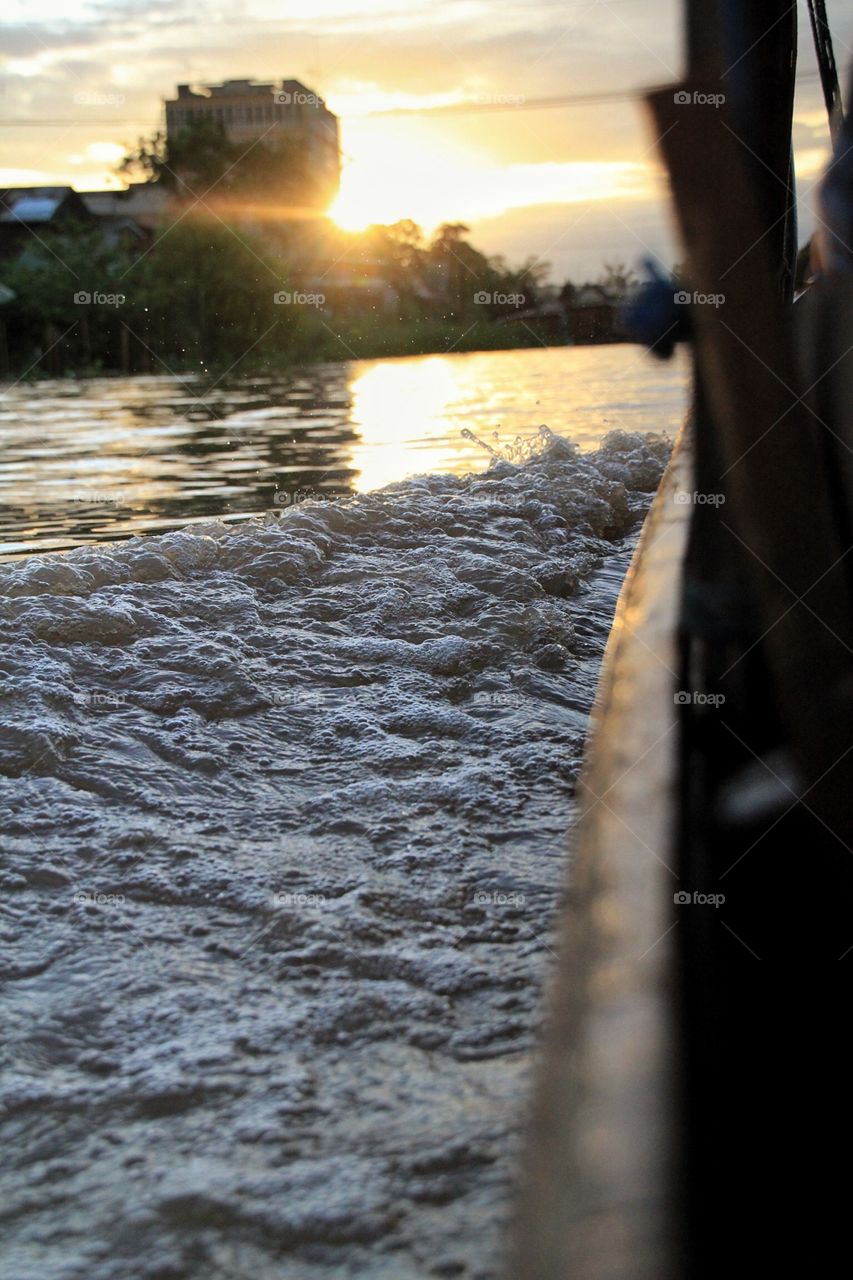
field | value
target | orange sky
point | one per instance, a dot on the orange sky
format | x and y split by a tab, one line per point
573	185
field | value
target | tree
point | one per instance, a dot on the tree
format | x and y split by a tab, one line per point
617	278
201	157
148	162
467	275
209	293
57	280
204	295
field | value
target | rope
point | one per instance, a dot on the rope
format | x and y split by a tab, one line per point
826	63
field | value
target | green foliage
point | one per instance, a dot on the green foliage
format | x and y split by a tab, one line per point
55	280
201	159
147	162
207	296
447	277
58	265
203	295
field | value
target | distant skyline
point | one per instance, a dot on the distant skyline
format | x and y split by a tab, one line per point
574	185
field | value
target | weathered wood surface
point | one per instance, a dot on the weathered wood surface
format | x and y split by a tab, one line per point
597	1199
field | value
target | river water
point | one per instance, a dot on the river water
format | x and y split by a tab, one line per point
285	806
85	461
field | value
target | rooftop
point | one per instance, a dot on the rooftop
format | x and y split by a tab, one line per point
32	204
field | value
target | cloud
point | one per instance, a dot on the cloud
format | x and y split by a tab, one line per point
397	50
576	240
20	40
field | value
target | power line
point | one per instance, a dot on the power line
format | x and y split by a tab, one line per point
497	102
517	102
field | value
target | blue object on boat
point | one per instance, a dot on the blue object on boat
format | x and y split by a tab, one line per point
658	313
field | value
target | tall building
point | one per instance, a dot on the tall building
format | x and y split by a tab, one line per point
283	112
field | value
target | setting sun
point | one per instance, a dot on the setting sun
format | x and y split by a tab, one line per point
425	532
397	168
388	175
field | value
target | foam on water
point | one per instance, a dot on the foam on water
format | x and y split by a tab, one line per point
285	807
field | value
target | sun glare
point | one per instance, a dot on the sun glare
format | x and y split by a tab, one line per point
388	176
390	173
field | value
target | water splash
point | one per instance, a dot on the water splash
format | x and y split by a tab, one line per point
284	809
521	449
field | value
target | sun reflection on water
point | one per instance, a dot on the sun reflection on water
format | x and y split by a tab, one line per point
104	458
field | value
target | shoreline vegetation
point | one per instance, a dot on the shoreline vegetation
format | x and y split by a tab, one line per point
209	296
254	276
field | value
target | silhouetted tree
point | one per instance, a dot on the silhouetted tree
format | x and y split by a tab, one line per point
200	159
617	277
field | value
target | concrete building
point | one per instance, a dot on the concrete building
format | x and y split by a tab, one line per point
276	112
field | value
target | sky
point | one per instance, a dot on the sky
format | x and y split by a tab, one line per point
437	103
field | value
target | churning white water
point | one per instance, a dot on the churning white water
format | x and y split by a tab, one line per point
285	808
